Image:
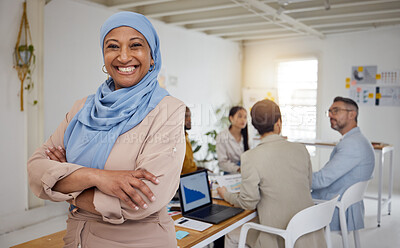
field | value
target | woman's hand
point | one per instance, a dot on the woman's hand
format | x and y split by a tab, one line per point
121	184
124	185
221	191
56	154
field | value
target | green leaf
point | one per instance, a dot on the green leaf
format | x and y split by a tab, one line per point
196	149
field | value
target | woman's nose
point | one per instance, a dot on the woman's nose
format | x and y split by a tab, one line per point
124	55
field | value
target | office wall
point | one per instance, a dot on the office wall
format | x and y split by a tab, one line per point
13	122
336	55
201	70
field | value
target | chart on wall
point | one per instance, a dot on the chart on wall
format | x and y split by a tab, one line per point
368	86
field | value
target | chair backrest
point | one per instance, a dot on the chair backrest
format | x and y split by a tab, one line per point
353	194
311	219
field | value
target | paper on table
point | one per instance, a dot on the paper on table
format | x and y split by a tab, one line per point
231	182
192	224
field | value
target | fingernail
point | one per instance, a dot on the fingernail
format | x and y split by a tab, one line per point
47	151
48	157
59	148
153	198
145	206
157	181
136	208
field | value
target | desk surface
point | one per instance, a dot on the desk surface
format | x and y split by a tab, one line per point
55	240
196	237
375	145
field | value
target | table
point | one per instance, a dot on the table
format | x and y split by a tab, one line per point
54	240
195	239
381	149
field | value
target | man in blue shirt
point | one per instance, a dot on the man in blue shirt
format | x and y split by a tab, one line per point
351	161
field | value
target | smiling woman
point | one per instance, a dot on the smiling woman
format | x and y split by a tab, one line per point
127	56
117	156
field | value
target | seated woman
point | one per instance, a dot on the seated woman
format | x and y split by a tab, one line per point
233	141
276	179
124	148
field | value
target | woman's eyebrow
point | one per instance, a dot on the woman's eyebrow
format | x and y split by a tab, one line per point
137	38
105	43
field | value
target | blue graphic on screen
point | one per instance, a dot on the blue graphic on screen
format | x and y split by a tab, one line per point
195	192
192	195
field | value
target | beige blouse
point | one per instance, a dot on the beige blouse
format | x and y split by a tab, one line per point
228	151
157	144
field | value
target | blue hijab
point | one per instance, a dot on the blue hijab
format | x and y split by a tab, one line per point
92	132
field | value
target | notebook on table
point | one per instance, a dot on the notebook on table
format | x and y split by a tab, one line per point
196	202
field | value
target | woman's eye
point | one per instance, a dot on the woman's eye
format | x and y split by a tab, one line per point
136	45
112	46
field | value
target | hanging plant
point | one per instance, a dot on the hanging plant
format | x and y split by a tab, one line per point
24	57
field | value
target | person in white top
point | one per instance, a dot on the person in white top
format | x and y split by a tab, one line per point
233	141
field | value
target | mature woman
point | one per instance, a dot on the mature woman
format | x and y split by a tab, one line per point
124	148
276	180
233	141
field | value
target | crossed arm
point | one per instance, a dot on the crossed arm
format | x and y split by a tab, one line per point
121	184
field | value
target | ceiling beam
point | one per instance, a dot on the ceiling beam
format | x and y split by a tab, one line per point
355	14
342	24
210	16
185	7
336	6
126	4
245	32
283	17
263	37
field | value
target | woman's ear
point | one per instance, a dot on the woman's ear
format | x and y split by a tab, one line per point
152	62
278	126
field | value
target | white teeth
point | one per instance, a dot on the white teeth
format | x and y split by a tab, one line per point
126	69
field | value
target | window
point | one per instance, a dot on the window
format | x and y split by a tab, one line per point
297	82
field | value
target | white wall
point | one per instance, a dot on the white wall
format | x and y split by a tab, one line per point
13	129
205	72
336	55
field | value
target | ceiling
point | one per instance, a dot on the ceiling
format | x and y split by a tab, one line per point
255	20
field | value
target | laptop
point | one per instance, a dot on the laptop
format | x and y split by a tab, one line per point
196	202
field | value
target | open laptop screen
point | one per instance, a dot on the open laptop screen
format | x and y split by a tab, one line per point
194	190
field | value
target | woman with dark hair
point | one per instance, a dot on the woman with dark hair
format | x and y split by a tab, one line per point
233	141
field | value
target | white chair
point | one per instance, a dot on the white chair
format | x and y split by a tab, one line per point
307	220
353	194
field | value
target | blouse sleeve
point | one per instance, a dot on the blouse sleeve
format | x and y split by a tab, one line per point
162	154
223	160
44	173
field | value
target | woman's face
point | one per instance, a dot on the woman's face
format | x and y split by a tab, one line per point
239	119
127	56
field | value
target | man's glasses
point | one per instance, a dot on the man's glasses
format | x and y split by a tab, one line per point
335	111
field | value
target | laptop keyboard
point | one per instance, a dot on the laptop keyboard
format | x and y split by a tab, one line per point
208	211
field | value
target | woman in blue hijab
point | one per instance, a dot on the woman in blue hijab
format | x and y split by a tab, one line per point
117	156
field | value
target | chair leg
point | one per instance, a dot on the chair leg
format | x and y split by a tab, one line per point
343	227
357	239
328	237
